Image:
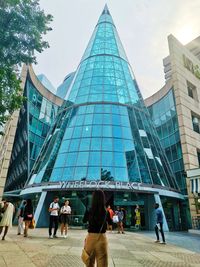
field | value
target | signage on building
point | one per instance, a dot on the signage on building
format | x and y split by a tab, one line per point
100	184
188	64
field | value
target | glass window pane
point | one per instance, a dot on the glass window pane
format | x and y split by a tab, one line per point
60	161
118	145
64	146
74	145
86	131
107	131
82	159
94	159
80	173
84	144
68	133
96	144
93	173
121	174
107	144
77	132
119	159
107	159
117	131
71	159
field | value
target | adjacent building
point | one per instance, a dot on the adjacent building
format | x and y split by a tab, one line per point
175	110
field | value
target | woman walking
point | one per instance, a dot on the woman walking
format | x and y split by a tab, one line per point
96	241
65	213
28	216
7	217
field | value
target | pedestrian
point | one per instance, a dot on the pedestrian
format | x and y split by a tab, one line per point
119	212
65	213
6	220
21	218
53	220
96	241
159	224
110	218
28	216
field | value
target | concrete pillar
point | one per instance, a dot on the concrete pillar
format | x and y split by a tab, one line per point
40	220
165	224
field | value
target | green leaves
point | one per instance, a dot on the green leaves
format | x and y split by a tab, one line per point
22	26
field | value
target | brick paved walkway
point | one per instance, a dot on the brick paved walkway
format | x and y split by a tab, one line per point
127	250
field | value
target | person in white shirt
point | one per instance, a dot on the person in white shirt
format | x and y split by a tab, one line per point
54	210
65	213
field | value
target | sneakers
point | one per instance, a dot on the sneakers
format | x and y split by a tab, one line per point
55	236
157	241
65	236
163	243
50	236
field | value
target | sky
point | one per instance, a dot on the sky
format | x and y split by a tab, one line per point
143	27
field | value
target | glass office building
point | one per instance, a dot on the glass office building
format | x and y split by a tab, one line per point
35	119
103	137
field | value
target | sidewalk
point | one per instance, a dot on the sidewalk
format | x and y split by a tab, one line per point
131	249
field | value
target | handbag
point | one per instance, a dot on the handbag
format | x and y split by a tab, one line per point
32	224
85	256
115	219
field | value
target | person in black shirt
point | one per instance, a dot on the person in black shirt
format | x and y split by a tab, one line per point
96	241
28	216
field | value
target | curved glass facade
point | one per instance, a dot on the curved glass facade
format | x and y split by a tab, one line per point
35	119
164	116
103	130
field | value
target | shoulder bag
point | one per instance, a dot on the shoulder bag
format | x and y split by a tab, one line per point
85	256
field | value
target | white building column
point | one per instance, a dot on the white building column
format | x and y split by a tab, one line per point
40	206
158	200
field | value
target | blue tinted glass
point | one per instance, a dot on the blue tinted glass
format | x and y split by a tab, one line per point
118	145
96	130
94	159
68	174
96	144
68	133
84	144
119	159
107	144
116	119
86	131
106	119
77	132
80	173
93	173
71	159
107	131
121	174
97	119
117	131
60	161
56	174
79	120
107	159
64	146
82	159
127	133
74	145
128	145
90	109
88	119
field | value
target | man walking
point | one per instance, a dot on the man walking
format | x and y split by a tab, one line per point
53	209
159	224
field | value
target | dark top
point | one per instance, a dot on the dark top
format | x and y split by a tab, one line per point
159	216
28	211
94	223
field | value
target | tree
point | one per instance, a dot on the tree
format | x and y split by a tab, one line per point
22	26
